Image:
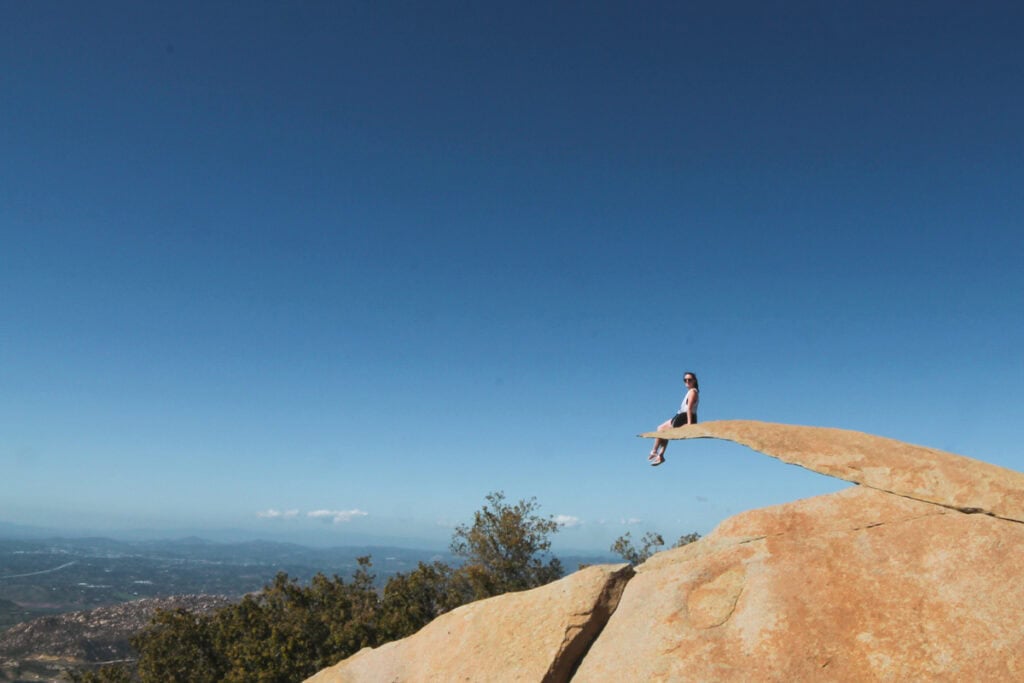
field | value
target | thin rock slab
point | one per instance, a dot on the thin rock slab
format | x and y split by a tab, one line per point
905	469
535	635
859	585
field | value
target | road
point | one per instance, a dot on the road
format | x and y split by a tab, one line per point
43	571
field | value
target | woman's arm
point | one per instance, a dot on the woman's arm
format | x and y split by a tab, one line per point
691	405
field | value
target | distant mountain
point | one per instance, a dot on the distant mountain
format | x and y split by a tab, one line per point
316	536
307	538
22	531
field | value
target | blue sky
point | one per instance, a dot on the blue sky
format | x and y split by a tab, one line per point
372	261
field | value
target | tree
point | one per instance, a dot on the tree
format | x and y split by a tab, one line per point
179	646
687	539
112	673
290	632
652	541
624	547
285	633
506	547
413	600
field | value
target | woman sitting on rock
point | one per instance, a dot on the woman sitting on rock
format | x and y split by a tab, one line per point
687	415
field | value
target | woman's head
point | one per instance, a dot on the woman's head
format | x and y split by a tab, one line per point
690	380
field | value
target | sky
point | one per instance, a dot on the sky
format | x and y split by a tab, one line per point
334	271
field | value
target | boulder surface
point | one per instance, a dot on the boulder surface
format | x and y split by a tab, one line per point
536	635
858	585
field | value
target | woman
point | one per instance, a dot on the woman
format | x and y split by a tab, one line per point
687	415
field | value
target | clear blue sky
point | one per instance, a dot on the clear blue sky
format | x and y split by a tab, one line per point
379	259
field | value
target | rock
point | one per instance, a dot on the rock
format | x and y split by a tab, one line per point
917	472
914	575
536	635
859	585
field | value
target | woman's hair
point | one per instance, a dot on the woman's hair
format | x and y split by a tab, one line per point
696	384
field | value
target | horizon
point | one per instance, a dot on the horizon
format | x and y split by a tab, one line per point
340	270
240	537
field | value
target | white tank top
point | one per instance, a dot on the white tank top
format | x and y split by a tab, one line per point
692	398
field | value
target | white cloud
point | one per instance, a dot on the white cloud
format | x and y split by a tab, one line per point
568	521
336	516
632	521
278	514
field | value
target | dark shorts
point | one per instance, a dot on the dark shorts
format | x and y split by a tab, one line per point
681	419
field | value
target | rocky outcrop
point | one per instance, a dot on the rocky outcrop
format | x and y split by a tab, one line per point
98	634
44	648
917	472
537	635
914	575
858	585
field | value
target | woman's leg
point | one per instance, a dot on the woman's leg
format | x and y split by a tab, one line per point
661	444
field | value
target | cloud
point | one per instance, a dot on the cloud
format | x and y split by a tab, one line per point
568	521
278	514
632	521
336	516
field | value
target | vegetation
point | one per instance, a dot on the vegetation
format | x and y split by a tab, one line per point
651	543
108	674
411	601
288	632
505	548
